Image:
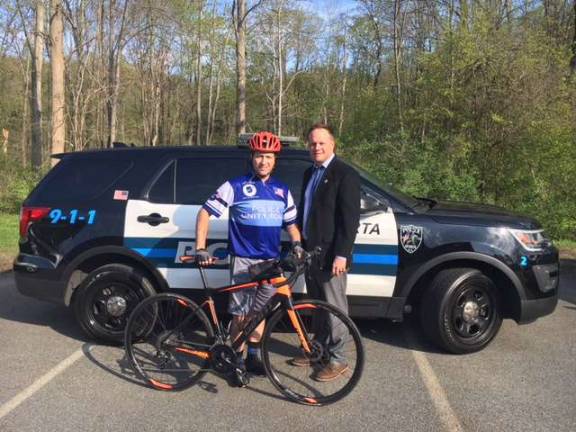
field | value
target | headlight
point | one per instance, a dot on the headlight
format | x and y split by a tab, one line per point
532	240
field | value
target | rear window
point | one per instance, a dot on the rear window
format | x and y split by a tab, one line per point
79	179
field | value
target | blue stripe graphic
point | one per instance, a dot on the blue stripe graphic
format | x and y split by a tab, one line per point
375	259
156	253
367	260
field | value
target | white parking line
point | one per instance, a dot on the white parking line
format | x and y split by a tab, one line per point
447	415
29	391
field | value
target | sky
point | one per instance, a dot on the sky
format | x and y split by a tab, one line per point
329	8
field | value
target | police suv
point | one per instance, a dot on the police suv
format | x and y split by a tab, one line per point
106	228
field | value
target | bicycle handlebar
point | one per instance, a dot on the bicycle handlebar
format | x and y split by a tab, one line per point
293	261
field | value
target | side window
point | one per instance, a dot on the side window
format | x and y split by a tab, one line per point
291	172
163	190
197	179
77	179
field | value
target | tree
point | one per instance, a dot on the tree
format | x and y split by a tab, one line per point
116	21
240	15
57	68
36	49
573	45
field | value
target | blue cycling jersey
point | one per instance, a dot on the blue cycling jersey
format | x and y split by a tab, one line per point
257	212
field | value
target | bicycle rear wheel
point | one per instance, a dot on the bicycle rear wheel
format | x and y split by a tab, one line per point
167	341
296	373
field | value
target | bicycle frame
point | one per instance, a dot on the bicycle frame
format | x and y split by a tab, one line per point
282	298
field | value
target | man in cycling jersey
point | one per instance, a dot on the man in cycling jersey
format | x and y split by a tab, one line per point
259	207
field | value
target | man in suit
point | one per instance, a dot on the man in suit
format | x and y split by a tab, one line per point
329	216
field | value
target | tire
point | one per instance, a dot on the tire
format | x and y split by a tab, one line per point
104	300
461	312
167	341
280	344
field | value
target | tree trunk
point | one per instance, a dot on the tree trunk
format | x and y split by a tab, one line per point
280	69
100	74
36	99
115	43
343	89
24	136
199	77
57	63
210	81
5	137
240	31
573	61
397	61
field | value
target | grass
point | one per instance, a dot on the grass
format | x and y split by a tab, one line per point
8	239
567	248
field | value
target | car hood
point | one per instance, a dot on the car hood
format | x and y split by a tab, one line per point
479	214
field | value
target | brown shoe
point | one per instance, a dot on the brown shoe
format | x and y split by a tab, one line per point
300	361
330	372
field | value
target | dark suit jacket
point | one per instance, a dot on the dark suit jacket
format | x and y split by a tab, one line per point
335	212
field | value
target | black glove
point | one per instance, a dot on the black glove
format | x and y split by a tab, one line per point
203	257
297	250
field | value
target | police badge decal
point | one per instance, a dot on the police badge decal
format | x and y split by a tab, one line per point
410	237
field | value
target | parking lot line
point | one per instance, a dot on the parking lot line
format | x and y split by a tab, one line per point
29	391
447	415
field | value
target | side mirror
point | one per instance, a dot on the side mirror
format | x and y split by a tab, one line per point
370	204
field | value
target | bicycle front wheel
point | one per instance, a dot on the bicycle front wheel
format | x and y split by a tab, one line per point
333	363
167	341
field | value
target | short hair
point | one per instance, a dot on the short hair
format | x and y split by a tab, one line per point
320	125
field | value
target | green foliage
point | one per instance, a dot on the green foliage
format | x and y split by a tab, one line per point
480	108
8	234
15	184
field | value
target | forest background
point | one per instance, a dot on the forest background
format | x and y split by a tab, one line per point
469	100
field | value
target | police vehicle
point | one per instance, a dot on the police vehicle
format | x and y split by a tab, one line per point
106	228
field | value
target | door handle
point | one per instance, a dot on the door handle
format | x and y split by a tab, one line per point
153	219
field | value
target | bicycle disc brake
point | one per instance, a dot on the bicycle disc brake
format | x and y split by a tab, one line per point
318	353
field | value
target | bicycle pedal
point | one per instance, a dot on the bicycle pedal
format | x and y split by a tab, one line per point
240	378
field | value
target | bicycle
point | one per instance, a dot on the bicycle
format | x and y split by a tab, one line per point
171	342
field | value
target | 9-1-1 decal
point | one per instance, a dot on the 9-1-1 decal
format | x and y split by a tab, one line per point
72	217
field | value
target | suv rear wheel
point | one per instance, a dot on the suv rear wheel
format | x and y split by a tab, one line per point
461	311
104	300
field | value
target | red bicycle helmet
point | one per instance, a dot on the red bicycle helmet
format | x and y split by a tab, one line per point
265	142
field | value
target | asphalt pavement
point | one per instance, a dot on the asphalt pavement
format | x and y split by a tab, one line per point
52	379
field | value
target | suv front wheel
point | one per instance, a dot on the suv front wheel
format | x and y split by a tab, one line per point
104	300
461	310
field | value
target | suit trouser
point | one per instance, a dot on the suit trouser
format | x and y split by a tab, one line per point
322	285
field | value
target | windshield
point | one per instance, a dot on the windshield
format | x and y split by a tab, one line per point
389	189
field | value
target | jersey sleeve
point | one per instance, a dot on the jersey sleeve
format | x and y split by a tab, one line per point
220	200
290	213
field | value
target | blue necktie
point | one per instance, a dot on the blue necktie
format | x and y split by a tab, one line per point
316	177
313	185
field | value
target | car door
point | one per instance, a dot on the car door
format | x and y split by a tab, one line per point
375	256
161	225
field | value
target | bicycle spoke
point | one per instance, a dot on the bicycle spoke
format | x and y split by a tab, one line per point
162	334
301	376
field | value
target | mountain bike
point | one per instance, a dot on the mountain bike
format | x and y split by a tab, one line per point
171	341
